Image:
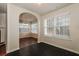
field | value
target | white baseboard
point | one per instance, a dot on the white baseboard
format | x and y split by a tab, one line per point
64	48
12	50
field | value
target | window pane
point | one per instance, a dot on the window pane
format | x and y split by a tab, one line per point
34	28
58	25
62	25
23	27
49	26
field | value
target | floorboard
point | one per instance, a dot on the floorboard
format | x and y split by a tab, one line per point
2	50
27	41
41	49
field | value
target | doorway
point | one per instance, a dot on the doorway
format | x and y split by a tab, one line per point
3	28
28	29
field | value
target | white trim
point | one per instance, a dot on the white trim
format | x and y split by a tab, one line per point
12	50
64	48
62	37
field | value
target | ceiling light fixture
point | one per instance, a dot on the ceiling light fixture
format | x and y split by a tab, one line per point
39	4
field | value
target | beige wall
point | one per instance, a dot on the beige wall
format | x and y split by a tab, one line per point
34	35
28	34
13	13
73	43
23	35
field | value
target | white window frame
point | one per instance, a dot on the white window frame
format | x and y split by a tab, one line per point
46	27
28	29
36	28
63	36
54	32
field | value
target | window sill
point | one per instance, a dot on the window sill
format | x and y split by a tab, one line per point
58	37
48	35
62	37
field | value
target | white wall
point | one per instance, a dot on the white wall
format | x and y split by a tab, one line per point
13	13
28	34
24	35
72	44
35	35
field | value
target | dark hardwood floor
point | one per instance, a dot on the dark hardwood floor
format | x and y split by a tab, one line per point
27	41
2	50
23	43
41	49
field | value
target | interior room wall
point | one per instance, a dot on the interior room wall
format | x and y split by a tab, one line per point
13	13
3	27
24	35
28	34
34	35
73	43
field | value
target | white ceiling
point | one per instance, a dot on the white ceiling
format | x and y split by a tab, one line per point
42	8
27	18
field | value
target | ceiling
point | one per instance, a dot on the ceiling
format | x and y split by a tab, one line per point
42	8
27	18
